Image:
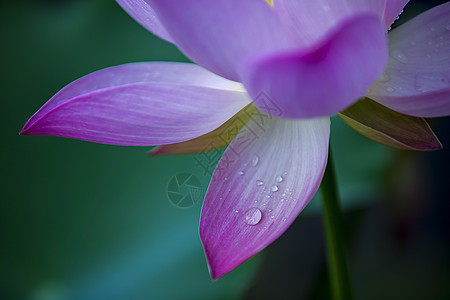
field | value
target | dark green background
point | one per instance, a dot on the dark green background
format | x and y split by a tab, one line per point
80	220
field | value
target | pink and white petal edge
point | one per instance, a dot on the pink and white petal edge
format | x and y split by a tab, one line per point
265	178
144	14
139	104
295	81
416	80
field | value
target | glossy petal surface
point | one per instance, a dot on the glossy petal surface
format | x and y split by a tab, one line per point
323	80
416	80
264	179
310	20
219	34
139	104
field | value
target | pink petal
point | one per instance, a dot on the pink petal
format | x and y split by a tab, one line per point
416	80
310	20
325	79
139	104
393	9
265	178
219	34
144	14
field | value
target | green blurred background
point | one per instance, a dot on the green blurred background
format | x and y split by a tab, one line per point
80	220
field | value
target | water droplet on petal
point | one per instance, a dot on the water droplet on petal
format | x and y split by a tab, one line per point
399	55
241	173
279	178
252	216
272	216
427	82
384	77
225	178
389	89
255	160
236	211
259	182
274	188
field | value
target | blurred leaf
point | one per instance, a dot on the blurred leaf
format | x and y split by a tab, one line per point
389	127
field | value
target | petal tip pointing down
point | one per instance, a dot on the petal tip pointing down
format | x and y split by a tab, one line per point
258	189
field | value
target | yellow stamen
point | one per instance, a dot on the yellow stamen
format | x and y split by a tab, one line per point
270	2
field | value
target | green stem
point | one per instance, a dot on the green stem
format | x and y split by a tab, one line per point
334	232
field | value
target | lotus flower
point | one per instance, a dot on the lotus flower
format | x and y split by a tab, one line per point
309	59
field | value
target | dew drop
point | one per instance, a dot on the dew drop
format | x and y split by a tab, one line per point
236	211
272	217
399	55
255	160
259	182
389	89
384	77
279	178
253	216
225	178
274	188
241	173
427	82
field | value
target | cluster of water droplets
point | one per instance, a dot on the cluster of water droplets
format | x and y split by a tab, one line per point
254	215
424	81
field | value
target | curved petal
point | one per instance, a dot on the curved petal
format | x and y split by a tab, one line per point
264	179
326	79
219	34
392	11
310	20
144	14
416	80
139	104
220	137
